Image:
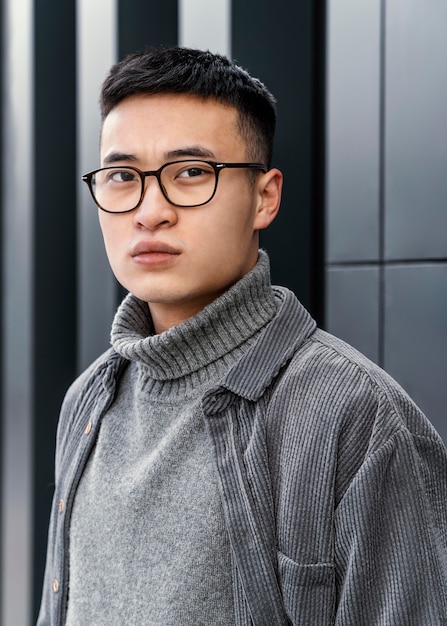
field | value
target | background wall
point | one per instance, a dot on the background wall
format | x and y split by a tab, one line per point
377	273
386	244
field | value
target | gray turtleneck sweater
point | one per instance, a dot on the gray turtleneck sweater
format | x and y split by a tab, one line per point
148	543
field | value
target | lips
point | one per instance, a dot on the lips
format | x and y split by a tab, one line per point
154	255
153	247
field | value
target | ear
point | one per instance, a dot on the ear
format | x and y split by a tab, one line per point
269	187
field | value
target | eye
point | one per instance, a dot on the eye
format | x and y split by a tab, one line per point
121	176
190	171
193	172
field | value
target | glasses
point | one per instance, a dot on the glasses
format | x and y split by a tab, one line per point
188	183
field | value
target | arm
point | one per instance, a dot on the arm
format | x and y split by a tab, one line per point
391	536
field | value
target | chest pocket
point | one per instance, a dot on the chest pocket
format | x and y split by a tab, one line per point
308	591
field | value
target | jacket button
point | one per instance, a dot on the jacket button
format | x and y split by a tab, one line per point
88	429
55	585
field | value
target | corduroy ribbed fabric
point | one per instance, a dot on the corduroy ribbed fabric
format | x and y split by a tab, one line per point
148	501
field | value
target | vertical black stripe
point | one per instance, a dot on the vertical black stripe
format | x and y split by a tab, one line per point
142	24
382	192
318	203
54	268
2	208
283	48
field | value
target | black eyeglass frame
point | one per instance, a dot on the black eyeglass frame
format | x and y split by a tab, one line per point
218	167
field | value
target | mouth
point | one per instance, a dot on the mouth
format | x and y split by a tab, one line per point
152	253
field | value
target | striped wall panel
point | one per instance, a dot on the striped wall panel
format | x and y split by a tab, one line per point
58	295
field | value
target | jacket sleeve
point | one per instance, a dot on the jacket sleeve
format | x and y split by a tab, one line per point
359	477
391	536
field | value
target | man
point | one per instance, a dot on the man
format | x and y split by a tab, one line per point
226	462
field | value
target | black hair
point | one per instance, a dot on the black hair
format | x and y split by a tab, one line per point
179	70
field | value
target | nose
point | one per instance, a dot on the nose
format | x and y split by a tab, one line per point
154	211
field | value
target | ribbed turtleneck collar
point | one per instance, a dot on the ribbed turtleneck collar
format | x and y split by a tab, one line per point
218	330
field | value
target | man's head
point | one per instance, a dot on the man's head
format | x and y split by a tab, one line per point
203	74
180	217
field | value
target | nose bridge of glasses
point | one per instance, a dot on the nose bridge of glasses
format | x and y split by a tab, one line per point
144	181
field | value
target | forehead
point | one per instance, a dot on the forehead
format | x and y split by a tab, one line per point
166	122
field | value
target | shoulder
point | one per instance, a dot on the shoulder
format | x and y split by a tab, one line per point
334	377
331	408
97	380
339	408
91	375
317	376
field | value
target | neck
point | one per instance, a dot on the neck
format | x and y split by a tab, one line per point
166	315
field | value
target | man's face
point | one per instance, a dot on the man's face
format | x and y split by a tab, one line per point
181	259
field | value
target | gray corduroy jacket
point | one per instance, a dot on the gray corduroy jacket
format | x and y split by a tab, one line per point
333	483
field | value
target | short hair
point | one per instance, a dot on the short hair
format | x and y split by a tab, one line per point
178	70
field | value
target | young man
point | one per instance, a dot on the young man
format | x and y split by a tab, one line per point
226	462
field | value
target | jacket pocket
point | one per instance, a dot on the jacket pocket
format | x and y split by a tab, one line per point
308	591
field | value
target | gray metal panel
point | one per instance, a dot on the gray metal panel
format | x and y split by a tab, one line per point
353	130
416	335
416	130
352	307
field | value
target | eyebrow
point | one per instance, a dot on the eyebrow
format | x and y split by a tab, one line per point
114	157
187	151
194	151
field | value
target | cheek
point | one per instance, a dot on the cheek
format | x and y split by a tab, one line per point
111	226
113	233
224	246
232	222
220	239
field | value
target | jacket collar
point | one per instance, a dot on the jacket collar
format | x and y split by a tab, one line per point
289	329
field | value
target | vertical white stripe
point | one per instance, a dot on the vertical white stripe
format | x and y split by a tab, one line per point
206	25
17	302
97	51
